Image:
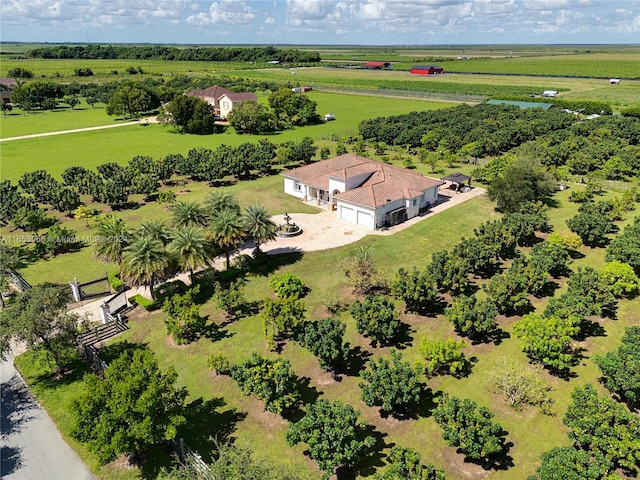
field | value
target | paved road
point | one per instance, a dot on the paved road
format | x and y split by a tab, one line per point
32	448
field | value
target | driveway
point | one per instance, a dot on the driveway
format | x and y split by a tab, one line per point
32	448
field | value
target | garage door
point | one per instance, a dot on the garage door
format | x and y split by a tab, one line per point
347	213
365	219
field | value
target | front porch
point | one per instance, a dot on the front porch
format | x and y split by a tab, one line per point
319	197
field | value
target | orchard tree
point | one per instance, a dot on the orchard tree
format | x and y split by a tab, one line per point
325	339
625	247
549	257
134	407
282	318
184	322
333	434
9	260
287	285
524	179
592	227
601	425
231	299
404	464
520	385
37	94
548	339
272	381
471	317
596	297
469	427
570	463
416	289
508	291
65	199
443	356
621	368
450	272
391	384
376	318
252	118
621	278
294	108
38	317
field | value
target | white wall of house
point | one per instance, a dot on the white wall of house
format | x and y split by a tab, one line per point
294	187
429	197
357	214
226	105
335	184
210	100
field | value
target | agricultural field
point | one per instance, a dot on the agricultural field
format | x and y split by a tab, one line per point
217	406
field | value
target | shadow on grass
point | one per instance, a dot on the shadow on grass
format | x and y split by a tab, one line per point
215	333
499	461
73	371
264	265
414	410
589	328
355	361
403	337
308	394
113	351
372	458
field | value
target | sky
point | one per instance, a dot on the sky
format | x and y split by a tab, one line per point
322	22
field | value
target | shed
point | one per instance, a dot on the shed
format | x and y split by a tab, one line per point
549	94
426	70
614	81
376	65
7	85
545	106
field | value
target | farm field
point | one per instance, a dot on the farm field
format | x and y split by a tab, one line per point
119	145
217	407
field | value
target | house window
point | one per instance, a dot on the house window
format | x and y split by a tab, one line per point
297	187
225	104
415	202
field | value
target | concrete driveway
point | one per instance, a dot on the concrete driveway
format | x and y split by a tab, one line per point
32	448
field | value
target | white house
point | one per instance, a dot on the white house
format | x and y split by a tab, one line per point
549	94
221	99
363	191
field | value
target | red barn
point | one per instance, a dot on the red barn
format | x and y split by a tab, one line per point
376	65
426	70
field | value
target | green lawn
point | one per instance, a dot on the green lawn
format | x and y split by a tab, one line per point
90	149
531	432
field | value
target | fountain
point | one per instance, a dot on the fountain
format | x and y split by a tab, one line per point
288	229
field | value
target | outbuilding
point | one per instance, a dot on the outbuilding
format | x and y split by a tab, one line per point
376	65
427	70
549	94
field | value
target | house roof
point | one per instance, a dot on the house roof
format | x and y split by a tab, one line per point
545	106
214	92
241	96
425	67
382	183
8	82
376	64
456	178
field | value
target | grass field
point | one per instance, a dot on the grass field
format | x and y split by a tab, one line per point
90	149
530	432
216	403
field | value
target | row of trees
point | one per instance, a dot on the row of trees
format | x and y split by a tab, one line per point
162	52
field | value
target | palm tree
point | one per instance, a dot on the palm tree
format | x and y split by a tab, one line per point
191	249
112	237
258	225
219	200
145	262
227	230
186	214
156	228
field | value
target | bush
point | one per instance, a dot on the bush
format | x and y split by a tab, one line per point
184	322
166	197
287	285
148	305
115	282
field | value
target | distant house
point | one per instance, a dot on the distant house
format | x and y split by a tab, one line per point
614	81
301	89
549	94
221	99
426	70
376	65
7	86
363	191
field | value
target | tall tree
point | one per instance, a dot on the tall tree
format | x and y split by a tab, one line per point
220	199
186	214
258	225
145	262
112	237
227	230
39	318
132	408
158	229
190	247
523	179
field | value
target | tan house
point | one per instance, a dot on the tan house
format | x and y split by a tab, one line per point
221	99
7	86
363	191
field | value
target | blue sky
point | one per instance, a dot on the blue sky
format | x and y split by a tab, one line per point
367	22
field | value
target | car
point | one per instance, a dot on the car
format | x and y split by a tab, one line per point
329	116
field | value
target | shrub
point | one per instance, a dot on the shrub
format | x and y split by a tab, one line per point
115	282
287	285
148	305
184	322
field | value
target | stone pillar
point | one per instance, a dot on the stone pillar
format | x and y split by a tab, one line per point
75	290
105	311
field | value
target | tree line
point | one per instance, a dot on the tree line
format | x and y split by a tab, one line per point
162	52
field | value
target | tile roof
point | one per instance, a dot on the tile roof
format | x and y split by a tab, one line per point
241	96
386	182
